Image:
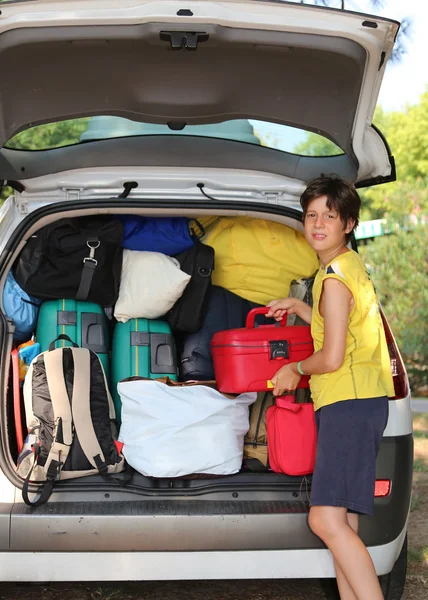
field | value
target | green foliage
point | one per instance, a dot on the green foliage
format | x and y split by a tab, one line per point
5	193
316	145
399	264
50	135
407	135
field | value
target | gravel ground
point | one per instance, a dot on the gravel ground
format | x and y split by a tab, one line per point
208	590
416	589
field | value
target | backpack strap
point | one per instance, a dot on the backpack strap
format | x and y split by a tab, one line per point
254	465
63	432
205	261
197	235
82	410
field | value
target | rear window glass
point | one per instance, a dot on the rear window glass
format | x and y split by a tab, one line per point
77	131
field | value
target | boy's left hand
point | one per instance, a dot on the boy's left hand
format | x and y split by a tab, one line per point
286	379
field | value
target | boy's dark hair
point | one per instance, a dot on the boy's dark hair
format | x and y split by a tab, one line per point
341	197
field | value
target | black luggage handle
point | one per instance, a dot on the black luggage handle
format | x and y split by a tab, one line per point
63	336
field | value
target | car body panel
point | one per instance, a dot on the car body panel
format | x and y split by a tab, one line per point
171	152
117	62
163	566
210	520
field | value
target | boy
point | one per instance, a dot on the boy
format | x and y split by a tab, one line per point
350	382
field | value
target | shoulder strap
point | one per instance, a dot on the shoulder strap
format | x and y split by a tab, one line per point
63	433
205	260
81	408
89	265
197	234
255	465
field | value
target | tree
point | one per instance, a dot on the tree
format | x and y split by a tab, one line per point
404	33
316	145
50	135
407	135
399	265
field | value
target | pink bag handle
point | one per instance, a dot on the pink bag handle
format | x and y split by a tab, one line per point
263	310
288	402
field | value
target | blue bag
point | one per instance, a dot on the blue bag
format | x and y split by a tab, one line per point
21	308
168	235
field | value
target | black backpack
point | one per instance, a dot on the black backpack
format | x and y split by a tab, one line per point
70	418
188	313
79	258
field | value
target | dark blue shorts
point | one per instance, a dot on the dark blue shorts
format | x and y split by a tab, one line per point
349	437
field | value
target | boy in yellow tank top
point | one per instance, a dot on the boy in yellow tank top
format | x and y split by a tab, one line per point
350	382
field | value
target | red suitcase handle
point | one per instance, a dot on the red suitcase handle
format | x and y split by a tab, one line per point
289	403
263	310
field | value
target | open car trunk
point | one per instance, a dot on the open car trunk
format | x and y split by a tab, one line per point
155	514
215	502
140	484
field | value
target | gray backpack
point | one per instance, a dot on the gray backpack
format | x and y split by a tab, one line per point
70	419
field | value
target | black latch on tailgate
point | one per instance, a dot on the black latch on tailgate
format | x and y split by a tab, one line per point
278	349
184	39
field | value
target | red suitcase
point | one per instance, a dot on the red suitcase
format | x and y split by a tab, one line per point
292	437
246	359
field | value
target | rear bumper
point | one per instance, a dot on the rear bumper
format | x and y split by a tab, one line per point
212	536
162	566
229	518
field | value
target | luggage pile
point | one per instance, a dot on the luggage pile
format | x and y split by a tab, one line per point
132	356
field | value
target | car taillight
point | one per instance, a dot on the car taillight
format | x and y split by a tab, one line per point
382	488
397	366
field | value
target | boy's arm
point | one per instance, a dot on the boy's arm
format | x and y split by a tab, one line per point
336	308
279	308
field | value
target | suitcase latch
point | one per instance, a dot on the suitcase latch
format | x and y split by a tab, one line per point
278	349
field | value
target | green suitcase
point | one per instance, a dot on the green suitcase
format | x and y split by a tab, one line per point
141	347
85	324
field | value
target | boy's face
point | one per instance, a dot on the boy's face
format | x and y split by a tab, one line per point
324	229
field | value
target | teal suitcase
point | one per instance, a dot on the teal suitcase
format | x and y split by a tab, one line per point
85	324
141	347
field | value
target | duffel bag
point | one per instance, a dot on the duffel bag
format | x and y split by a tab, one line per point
188	313
77	258
70	419
225	310
167	235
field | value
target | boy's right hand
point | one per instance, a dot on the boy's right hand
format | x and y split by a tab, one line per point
279	308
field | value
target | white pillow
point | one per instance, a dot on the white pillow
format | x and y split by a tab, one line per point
150	285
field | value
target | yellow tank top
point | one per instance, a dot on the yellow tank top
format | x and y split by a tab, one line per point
366	370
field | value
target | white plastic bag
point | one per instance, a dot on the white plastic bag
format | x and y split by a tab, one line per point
175	431
150	285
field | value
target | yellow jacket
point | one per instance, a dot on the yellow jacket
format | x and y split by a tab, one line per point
257	259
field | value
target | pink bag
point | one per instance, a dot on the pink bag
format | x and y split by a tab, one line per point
291	436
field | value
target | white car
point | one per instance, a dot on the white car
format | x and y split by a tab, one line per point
180	93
